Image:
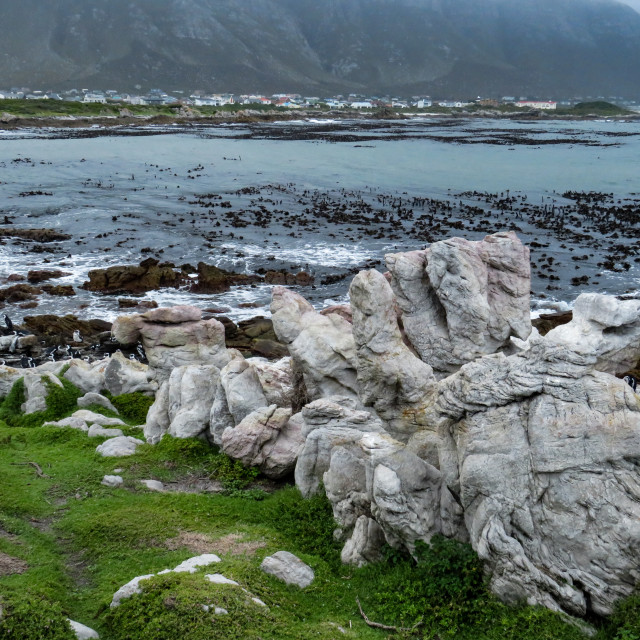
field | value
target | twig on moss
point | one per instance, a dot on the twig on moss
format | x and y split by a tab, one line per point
386	627
35	465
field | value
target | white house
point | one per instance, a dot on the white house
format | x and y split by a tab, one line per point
97	98
361	104
537	104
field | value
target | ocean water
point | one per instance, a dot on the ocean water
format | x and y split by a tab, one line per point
326	197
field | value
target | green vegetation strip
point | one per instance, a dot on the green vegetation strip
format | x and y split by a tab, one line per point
76	542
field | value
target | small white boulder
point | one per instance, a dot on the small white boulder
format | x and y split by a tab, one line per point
119	447
83	632
131	588
98	418
192	564
96	431
288	568
112	481
218	578
153	485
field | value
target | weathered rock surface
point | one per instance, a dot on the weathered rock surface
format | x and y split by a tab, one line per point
97	431
36	390
150	274
112	481
89	399
91	417
119	447
391	379
70	422
266	438
82	631
174	337
604	329
460	299
321	345
131	588
288	568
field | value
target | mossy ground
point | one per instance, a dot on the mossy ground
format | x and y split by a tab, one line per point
82	541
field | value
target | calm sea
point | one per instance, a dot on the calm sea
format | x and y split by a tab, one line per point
326	197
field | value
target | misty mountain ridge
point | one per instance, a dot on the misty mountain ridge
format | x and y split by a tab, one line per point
407	47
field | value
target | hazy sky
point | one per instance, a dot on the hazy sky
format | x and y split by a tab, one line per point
633	3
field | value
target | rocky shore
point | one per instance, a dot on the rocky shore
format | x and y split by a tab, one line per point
428	405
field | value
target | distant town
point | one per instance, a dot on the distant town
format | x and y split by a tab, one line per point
159	97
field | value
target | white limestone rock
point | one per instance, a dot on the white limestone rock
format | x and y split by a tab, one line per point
82	631
89	399
288	568
191	394
174	337
218	578
266	438
119	447
131	588
92	417
97	431
70	423
193	564
460	299
365	543
36	390
112	481
326	424
605	330
242	388
8	377
276	380
153	485
322	346
122	375
391	378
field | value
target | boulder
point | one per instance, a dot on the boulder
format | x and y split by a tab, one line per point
174	337
603	329
97	418
112	481
266	438
391	378
328	423
131	588
288	568
8	377
98	399
149	275
193	564
119	447
191	393
276	380
321	346
97	431
36	390
122	375
460	299
153	485
70	422
365	543
83	632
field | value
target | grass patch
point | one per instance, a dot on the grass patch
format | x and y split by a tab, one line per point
133	407
32	616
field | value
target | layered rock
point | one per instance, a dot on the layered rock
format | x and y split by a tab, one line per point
321	346
460	299
267	438
390	378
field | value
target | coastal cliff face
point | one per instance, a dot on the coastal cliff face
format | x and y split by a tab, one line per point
494	47
429	406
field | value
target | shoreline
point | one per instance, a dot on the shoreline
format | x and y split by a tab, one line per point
250	116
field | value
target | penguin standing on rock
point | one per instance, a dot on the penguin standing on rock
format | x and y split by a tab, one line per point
7	322
631	381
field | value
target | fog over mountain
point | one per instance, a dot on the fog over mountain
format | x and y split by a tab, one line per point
438	47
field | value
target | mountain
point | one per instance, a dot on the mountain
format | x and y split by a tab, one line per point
439	47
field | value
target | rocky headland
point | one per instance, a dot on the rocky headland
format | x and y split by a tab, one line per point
428	405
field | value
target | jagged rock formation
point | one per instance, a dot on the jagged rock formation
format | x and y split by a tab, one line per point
469	425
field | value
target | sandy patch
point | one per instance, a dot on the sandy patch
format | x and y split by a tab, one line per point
232	543
10	565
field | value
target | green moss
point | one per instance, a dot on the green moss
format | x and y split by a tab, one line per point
133	407
29	616
309	522
60	401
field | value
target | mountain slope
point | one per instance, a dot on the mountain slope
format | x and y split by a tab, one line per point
537	47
